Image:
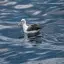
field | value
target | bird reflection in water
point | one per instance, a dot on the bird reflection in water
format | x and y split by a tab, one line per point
33	38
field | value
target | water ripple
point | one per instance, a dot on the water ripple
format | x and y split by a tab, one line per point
47	47
23	6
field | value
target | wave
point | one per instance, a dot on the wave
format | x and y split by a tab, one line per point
47	61
23	6
10	3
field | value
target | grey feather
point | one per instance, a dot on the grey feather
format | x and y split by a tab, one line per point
33	27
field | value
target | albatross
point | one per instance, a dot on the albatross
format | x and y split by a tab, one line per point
29	28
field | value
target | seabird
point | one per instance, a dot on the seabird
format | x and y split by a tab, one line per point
29	28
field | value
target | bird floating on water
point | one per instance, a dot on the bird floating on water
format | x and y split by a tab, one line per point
29	28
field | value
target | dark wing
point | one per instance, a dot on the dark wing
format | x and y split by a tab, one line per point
33	27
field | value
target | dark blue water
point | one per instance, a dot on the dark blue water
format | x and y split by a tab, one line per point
48	48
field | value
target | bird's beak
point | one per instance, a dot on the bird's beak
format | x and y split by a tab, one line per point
19	24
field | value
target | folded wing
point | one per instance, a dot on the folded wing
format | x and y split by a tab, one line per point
33	27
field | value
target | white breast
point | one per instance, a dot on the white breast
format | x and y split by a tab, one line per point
25	27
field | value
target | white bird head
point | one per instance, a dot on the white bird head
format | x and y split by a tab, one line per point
23	21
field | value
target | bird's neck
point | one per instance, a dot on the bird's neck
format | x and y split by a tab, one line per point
25	27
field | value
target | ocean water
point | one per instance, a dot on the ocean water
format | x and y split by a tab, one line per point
47	47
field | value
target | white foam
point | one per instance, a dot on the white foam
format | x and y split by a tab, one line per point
4	27
44	14
2	2
36	12
41	53
6	53
10	3
12	55
33	12
5	13
29	52
23	6
3	50
33	59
